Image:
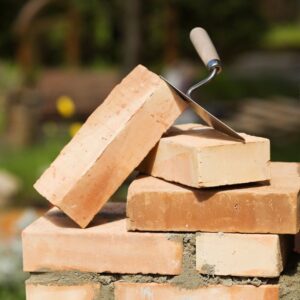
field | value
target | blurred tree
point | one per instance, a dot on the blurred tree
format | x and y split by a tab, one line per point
66	32
131	34
127	32
7	17
171	45
72	44
282	11
36	20
234	25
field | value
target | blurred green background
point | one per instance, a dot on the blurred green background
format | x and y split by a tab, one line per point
59	59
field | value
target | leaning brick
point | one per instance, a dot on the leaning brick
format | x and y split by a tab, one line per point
110	145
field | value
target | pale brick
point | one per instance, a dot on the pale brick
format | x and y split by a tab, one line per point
87	291
110	145
156	205
250	255
199	156
156	291
55	243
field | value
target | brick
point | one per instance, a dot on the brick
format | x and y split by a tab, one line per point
146	291
230	254
156	205
110	145
87	291
55	243
297	243
199	156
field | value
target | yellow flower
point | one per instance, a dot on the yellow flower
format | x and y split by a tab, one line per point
65	106
74	127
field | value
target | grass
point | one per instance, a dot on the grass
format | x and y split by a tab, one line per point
283	36
12	292
28	163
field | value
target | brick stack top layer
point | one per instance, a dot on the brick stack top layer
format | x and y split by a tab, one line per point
55	243
200	156
110	145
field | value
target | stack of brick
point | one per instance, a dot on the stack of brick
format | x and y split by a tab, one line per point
210	218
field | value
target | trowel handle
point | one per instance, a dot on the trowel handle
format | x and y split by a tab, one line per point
204	47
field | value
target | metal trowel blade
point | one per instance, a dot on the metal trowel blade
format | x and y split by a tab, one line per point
206	116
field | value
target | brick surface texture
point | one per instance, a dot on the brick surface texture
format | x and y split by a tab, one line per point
55	243
157	205
230	254
133	291
108	147
87	291
199	156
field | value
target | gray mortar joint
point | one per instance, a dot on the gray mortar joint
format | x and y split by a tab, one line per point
190	278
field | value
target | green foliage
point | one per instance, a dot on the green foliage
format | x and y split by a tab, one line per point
2	119
12	292
231	88
234	25
288	151
29	162
10	76
283	37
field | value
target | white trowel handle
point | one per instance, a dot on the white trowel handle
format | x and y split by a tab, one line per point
205	48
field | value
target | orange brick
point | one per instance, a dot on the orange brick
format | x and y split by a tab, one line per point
199	156
156	205
157	291
57	292
228	254
110	145
55	243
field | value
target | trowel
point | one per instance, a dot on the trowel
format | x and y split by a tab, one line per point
210	58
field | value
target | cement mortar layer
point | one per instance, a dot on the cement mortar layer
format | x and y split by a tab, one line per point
189	278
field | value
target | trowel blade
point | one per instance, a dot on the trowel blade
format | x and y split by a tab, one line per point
206	116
